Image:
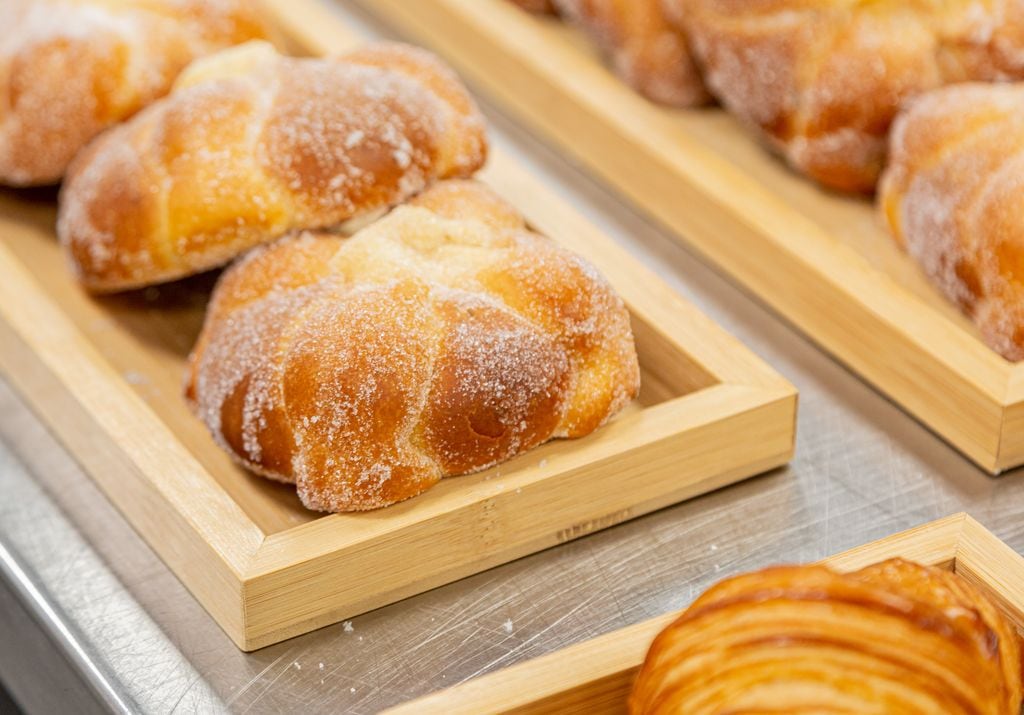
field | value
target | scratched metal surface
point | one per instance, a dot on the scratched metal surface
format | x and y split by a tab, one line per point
863	470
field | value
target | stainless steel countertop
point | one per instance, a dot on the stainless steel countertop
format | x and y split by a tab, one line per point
137	641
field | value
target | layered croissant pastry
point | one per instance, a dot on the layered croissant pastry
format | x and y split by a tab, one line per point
646	51
71	68
251	145
896	638
952	198
440	340
824	80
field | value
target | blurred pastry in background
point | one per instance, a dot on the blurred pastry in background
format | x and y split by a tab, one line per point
538	7
823	81
645	50
71	68
952	198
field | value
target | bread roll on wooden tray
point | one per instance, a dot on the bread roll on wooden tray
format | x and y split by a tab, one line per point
71	68
895	638
440	340
952	198
251	145
647	52
824	80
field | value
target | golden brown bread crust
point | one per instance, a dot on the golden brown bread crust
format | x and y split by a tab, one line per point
538	7
440	340
951	197
251	145
824	80
896	638
71	68
647	52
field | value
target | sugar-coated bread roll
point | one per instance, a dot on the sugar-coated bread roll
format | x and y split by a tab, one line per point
952	198
251	145
71	68
646	51
896	638
440	340
823	80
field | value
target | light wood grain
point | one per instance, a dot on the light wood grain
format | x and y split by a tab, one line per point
123	445
595	677
105	374
994	567
821	260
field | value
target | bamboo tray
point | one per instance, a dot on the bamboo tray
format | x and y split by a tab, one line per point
821	260
595	677
106	376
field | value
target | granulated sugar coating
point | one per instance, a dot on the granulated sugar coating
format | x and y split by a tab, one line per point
954	198
440	340
824	80
69	69
252	145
